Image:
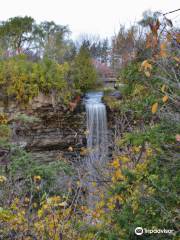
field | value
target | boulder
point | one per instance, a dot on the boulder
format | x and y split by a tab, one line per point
116	94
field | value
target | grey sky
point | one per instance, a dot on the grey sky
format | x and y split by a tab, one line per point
101	17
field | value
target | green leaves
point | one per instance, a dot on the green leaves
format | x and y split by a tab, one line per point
83	73
16	31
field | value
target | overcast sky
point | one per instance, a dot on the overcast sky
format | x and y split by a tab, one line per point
101	17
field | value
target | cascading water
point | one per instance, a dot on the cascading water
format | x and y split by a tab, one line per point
97	139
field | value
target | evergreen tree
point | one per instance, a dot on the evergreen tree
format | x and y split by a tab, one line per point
84	73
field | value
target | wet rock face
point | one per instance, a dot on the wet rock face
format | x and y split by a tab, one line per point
59	133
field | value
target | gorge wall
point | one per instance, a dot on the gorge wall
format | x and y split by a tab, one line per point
58	133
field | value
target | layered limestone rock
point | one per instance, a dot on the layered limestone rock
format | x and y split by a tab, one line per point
58	132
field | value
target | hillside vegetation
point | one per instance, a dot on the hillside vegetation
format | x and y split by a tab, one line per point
141	181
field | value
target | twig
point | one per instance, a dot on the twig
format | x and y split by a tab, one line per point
171	12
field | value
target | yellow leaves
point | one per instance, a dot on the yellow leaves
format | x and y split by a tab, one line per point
176	59
39	226
147	73
150	190
94	184
5	215
149	152
135	206
113	200
79	184
165	99
141	167
37	178
139	89
111	203
40	213
169	37
26	200
163	88
34	205
117	176
124	159
3	119
84	151
136	149
101	204
115	163
63	204
146	67
15	203
54	200
49	217
3	179
154	108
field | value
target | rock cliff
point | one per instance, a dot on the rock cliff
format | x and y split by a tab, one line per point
58	132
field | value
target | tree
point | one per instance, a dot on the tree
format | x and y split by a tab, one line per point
83	73
16	33
53	40
104	50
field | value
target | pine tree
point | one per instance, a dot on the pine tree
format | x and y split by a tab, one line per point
84	73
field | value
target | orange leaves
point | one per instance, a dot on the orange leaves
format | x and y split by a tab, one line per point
163	89
154	108
163	50
154	31
146	65
177	37
148	40
152	37
165	98
154	27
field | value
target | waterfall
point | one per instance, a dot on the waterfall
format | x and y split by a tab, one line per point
96	129
97	139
